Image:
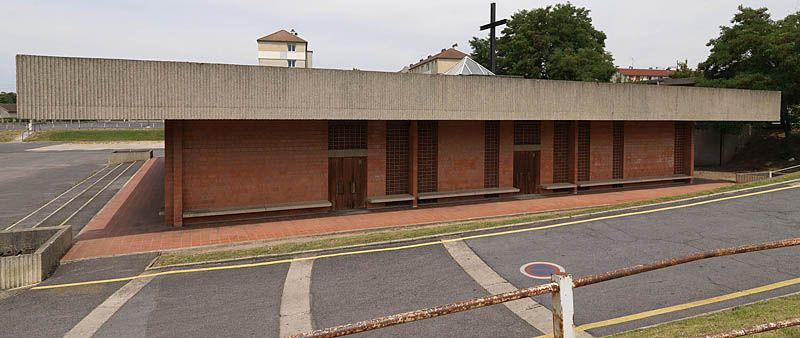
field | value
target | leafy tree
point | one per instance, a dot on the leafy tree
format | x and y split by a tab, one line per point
556	42
756	52
8	97
683	71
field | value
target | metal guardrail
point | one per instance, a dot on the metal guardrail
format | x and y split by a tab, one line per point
561	289
756	329
763	175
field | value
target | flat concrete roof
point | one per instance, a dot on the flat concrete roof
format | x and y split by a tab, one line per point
87	88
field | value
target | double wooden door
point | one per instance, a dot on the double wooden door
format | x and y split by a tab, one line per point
347	182
526	171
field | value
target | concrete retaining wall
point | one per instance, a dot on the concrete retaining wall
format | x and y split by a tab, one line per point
50	244
130	155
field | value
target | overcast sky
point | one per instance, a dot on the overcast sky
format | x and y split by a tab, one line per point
365	34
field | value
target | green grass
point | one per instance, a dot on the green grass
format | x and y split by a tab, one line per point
9	135
736	318
98	135
416	232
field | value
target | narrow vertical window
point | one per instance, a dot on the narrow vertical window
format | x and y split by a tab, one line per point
427	158
618	150
681	148
491	158
397	157
584	137
292	47
291	63
561	152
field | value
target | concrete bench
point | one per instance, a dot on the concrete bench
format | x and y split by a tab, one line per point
255	209
556	186
649	179
467	192
390	198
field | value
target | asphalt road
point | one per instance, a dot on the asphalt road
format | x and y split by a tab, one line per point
246	301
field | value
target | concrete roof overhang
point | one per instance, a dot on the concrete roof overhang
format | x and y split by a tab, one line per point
86	88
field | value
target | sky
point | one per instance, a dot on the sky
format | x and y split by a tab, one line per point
364	34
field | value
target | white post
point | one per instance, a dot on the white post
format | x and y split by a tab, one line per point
563	307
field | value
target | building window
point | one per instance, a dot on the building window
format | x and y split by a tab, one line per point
584	161
292	63
292	47
491	157
561	165
618	150
682	148
427	156
397	157
527	132
344	135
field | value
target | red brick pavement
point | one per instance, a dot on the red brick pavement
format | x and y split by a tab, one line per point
130	222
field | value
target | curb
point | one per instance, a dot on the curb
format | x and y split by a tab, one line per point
442	235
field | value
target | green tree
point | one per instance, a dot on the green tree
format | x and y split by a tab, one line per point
8	97
556	42
683	71
756	52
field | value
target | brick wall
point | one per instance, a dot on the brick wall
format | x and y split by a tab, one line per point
649	148
507	153
601	149
242	163
376	158
461	152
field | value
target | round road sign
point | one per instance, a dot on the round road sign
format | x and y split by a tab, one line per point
541	270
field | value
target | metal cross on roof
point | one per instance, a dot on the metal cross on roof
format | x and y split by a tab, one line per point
490	26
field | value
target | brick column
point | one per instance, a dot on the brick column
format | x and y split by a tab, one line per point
412	150
177	174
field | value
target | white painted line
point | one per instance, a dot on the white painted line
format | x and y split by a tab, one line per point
527	309
57	197
101	314
76	196
296	299
96	194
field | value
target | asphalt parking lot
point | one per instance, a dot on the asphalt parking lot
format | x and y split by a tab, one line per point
31	179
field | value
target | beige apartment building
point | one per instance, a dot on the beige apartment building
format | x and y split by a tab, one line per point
284	49
438	63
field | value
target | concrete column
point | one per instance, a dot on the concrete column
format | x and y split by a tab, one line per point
177	174
413	146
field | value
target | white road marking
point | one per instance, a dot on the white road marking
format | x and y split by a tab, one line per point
527	309
101	314
76	196
96	194
55	198
296	299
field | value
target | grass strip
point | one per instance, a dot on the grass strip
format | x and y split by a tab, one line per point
411	232
9	135
98	135
735	318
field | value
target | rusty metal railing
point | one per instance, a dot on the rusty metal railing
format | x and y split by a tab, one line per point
756	329
562	316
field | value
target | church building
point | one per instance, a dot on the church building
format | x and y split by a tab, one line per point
251	141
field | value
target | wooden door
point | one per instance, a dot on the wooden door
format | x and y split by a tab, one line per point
347	182
526	171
